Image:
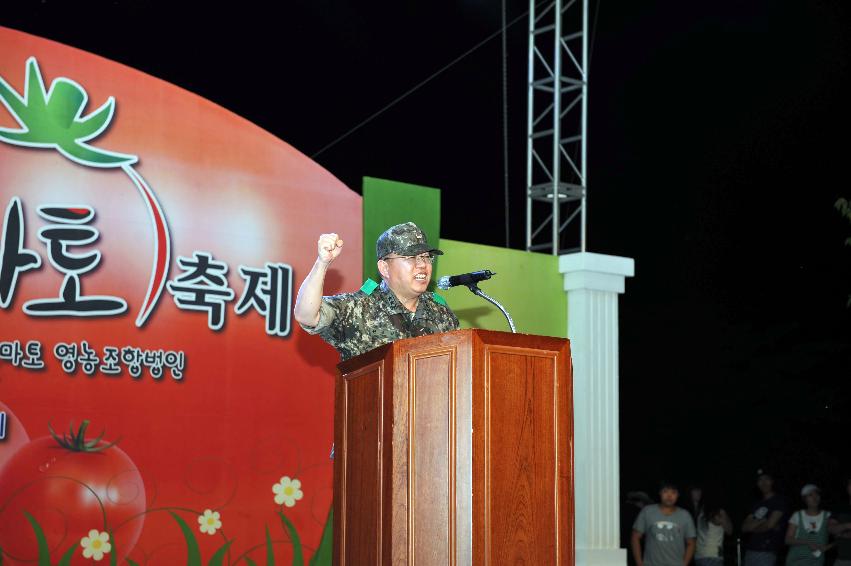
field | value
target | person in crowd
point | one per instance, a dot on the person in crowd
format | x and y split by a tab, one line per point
839	525
807	533
764	525
713	523
632	506
668	532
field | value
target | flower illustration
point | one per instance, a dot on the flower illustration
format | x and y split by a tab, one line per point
287	491
210	521
95	545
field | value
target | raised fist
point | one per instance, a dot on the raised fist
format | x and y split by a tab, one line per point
330	246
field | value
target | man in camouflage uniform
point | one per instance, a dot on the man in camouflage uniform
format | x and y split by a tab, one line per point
400	307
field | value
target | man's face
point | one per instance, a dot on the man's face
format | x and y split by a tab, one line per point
407	277
668	496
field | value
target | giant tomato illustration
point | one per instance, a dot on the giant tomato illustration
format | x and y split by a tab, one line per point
70	486
207	184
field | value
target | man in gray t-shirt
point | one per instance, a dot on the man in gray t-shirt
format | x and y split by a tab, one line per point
668	532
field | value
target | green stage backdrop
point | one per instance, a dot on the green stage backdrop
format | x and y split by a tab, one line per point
387	203
527	284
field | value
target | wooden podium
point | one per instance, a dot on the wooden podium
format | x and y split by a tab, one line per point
455	448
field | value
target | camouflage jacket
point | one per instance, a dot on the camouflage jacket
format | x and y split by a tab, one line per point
358	322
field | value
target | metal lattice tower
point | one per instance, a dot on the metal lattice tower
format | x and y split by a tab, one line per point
556	156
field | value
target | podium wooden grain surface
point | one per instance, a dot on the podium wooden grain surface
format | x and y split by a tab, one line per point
455	448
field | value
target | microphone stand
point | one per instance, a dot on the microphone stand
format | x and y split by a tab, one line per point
476	291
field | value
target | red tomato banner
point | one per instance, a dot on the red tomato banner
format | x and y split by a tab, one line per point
157	403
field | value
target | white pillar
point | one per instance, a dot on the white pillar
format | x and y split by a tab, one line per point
593	283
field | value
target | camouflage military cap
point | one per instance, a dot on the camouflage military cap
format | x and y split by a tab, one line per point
403	239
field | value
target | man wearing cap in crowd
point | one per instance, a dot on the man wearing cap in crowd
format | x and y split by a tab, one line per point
377	314
765	525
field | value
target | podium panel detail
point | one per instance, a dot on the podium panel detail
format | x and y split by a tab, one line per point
362	423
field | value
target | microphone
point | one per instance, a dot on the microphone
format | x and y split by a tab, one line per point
448	281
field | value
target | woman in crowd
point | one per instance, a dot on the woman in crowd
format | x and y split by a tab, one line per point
712	524
807	533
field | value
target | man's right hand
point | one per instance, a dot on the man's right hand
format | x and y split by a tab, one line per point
329	246
309	299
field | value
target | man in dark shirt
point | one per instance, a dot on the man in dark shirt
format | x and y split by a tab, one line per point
839	526
765	525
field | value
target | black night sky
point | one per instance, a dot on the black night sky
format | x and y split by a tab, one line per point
718	146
